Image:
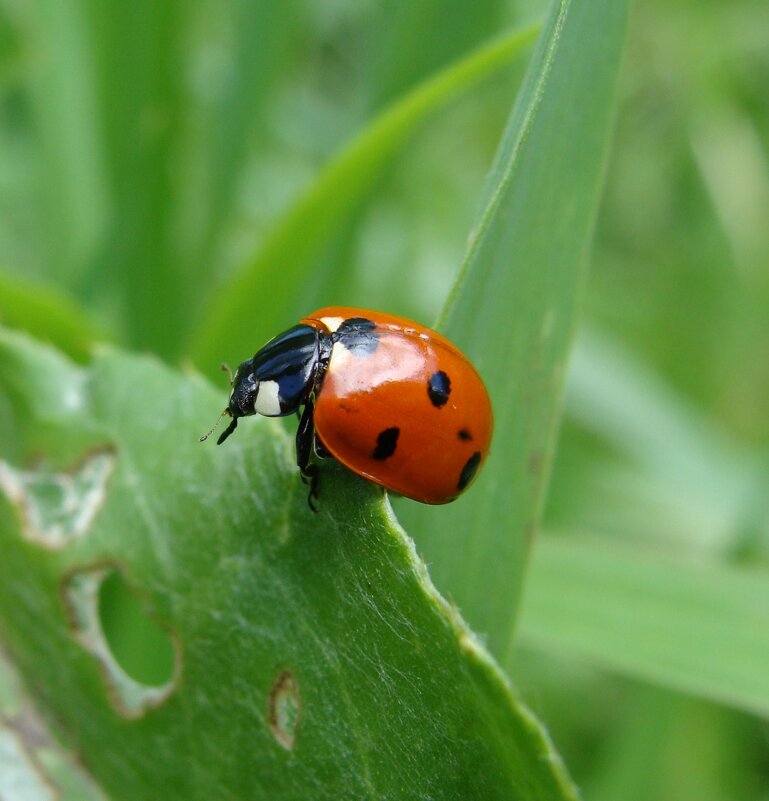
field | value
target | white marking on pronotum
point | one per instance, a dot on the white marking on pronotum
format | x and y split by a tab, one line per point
268	399
332	323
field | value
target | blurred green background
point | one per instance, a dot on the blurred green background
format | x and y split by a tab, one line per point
147	149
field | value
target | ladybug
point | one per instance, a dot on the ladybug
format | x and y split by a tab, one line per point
393	401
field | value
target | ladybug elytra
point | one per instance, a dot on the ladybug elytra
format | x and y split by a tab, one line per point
391	400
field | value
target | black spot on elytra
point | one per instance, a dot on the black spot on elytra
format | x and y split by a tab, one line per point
464	434
469	470
358	335
438	388
386	443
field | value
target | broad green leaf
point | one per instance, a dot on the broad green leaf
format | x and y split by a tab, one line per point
48	315
312	656
699	628
32	766
240	316
515	302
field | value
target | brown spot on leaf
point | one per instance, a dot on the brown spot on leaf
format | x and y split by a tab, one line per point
284	709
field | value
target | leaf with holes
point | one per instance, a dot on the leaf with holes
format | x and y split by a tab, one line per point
286	654
33	767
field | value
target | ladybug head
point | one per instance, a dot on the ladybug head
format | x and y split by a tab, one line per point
244	389
242	399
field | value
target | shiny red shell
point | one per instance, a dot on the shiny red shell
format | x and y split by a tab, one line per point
412	415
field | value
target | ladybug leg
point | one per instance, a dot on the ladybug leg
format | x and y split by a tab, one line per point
321	451
305	438
305	434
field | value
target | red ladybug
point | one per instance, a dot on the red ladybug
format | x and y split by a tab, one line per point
391	400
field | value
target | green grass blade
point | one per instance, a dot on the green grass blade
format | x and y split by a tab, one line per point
514	305
229	120
269	281
48	315
137	50
684	480
314	658
611	392
698	628
56	71
402	26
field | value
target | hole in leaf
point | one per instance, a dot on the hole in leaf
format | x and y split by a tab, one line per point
20	777
138	659
57	507
284	708
139	645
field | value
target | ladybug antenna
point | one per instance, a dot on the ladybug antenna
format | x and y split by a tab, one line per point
227	431
216	425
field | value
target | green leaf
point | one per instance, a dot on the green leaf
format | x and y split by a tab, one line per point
311	657
515	302
31	763
288	252
699	628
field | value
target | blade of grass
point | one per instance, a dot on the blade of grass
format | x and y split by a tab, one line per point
63	97
237	99
612	393
402	26
658	728
48	315
138	54
717	483
698	628
288	252
513	307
